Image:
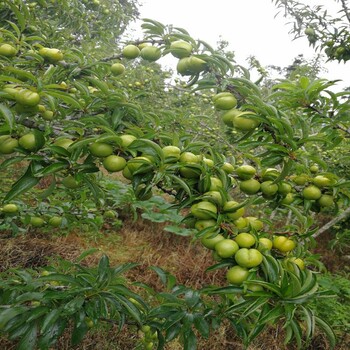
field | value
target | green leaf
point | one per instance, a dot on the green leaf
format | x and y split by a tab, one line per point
147	147
173	331
202	325
10	161
162	274
297	332
327	330
28	341
223	290
48	191
80	329
85	254
48	338
22	74
7	314
29	296
178	230
69	100
181	183
25	183
190	340
74	305
8	116
50	319
52	168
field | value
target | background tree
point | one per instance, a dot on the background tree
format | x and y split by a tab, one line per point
324	31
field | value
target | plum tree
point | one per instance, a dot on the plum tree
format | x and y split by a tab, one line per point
105	120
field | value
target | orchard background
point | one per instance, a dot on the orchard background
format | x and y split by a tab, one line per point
185	209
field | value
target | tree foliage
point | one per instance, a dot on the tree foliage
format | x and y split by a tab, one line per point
69	120
324	31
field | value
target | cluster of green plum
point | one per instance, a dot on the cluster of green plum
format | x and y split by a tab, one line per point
233	117
237	239
188	63
34	221
149	338
314	187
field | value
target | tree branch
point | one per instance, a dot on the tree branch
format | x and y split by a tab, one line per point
331	223
345	8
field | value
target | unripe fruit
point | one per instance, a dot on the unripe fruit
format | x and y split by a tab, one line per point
37	221
127	173
312	192
228	116
190	65
127	140
180	49
9	208
268	188
171	153
297	261
27	98
209	162
226	248
224	101
70	182
325	200
245	240
321	181
241	223
135	164
202	224
52	55
151	53
100	149
215	184
288	199
114	163
300	179
188	157
209	240
265	243
309	31
131	51
255	223
117	68
250	186
283	244
314	168
7	50
64	143
228	168
28	142
284	188
204	210
55	221
215	196
7	144
234	215
245	172
248	257
269	174
243	122
237	275
47	115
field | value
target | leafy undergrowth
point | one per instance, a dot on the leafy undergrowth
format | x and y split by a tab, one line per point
147	244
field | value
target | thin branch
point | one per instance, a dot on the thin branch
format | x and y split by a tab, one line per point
345	8
331	223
